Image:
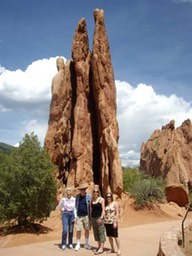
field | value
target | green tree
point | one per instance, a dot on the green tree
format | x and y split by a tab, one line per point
27	184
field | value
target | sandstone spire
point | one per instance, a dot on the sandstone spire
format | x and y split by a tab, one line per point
82	137
58	137
105	104
82	142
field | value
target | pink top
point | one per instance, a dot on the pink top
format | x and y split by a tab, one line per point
67	204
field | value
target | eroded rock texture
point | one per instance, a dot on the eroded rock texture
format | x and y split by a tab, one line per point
177	194
82	142
168	153
59	133
105	104
82	136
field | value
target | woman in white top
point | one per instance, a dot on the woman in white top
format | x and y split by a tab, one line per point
67	206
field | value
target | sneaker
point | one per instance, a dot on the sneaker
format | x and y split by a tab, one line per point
87	247
77	247
70	246
63	247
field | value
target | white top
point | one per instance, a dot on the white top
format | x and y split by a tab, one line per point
67	204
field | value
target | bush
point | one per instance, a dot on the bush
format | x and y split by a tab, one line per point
147	191
27	185
130	176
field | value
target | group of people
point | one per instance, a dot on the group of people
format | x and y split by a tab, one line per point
87	210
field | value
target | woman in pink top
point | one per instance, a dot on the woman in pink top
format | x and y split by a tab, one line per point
67	206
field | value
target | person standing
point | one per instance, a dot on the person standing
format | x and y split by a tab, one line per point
111	222
83	215
97	217
67	207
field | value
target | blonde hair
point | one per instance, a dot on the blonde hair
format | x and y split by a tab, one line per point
96	188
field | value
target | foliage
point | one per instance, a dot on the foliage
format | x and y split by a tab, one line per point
5	148
130	176
147	191
27	185
143	188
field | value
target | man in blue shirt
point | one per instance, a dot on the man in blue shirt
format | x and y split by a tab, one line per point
83	201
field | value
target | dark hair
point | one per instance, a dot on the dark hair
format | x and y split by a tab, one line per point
109	194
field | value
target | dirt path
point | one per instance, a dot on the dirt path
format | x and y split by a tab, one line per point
141	240
135	226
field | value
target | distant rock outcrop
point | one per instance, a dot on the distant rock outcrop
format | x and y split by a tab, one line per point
168	153
82	136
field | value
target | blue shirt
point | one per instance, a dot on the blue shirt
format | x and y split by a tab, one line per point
83	205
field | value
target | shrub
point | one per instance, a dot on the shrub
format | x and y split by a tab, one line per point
147	191
130	176
27	185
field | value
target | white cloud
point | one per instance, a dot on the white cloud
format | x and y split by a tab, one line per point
2	69
31	85
140	110
129	158
3	109
38	127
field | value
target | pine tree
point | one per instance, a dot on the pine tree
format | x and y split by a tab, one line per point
27	184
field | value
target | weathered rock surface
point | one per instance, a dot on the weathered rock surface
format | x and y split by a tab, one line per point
177	194
168	153
168	244
105	104
82	142
58	137
82	136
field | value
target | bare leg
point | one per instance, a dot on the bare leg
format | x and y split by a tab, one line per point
118	245
78	235
111	243
86	245
101	245
87	234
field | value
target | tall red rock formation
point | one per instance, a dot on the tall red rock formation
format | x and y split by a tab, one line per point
82	136
105	104
168	153
82	142
59	133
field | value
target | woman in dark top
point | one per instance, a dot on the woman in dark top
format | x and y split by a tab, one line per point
97	217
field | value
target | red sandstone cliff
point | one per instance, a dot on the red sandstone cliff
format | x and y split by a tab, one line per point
168	153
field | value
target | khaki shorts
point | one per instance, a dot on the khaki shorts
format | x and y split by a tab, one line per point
83	222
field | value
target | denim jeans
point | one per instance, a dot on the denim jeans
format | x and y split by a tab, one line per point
68	224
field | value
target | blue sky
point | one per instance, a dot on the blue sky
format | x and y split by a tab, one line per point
150	43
